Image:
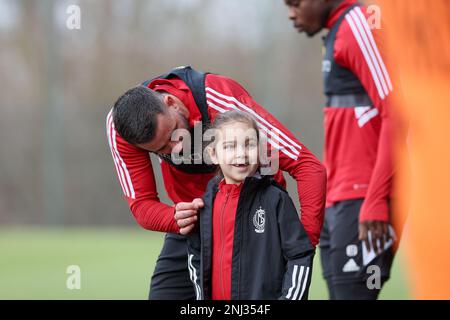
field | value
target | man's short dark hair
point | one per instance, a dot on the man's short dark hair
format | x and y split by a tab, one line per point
135	112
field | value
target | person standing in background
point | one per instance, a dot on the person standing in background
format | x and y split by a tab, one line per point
357	231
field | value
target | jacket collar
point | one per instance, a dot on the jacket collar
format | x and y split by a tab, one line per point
254	182
336	13
232	189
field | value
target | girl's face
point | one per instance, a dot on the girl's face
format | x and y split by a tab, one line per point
236	151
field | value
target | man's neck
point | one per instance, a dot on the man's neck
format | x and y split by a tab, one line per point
336	6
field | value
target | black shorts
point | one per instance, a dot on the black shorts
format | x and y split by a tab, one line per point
344	260
170	280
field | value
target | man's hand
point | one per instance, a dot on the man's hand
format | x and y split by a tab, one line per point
186	215
379	231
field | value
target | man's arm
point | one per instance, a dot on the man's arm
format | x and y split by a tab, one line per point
225	94
135	174
357	48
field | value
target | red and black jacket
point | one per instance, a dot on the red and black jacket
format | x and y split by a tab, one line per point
271	255
205	95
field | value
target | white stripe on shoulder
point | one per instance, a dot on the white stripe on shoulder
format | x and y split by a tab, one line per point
362	32
281	144
282	149
255	114
375	48
362	46
216	107
124	170
124	166
120	173
264	128
119	167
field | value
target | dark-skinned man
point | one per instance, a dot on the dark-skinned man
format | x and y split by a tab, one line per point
356	240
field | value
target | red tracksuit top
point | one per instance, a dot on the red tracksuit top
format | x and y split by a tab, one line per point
136	177
224	215
357	152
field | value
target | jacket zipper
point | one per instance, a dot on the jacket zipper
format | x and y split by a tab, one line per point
222	240
241	244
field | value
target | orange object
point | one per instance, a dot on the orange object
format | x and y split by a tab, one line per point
417	40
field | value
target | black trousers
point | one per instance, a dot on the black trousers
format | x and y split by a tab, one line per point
170	280
342	255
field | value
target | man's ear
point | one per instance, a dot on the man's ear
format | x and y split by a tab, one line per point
172	101
168	100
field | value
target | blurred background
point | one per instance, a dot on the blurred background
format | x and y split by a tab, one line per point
60	201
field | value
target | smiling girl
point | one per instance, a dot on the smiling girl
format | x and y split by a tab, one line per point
250	243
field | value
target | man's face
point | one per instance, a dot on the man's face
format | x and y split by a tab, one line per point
166	123
308	16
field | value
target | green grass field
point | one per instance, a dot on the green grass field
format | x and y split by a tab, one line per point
115	264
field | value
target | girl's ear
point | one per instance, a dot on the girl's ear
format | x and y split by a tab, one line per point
212	155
